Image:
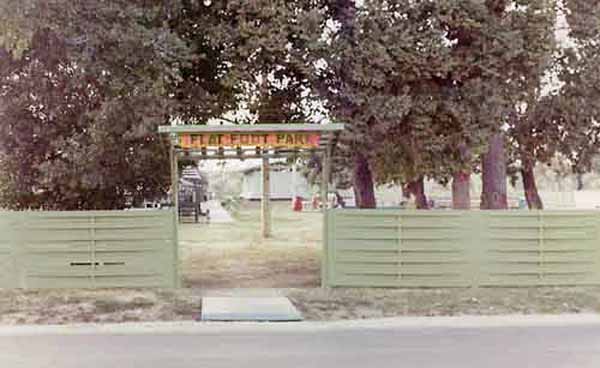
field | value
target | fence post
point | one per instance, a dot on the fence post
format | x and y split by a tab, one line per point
265	201
399	224
174	168
541	252
325	260
14	248
92	220
175	246
597	244
328	216
475	234
20	254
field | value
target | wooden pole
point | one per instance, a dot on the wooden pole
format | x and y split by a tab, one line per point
294	181
173	160
266	199
325	171
175	182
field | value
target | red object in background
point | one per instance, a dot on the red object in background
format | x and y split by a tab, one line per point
315	202
297	206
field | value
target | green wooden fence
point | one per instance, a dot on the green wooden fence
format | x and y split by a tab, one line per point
91	249
395	248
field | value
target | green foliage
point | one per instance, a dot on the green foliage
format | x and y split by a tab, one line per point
577	103
96	78
251	55
564	120
421	85
82	103
532	130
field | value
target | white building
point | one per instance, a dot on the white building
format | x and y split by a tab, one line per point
285	183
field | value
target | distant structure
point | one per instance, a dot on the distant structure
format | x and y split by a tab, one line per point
285	183
193	186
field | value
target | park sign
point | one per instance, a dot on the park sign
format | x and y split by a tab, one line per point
263	140
252	141
264	136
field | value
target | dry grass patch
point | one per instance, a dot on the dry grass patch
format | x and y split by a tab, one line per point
128	305
335	304
97	306
234	255
252	267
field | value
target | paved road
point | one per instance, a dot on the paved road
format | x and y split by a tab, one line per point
267	346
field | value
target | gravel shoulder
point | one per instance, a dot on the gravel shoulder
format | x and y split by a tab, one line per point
19	307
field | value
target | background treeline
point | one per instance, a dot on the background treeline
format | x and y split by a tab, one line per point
428	89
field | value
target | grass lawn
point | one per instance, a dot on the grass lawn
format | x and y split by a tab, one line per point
233	255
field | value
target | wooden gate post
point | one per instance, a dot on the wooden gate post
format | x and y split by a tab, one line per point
174	180
326	176
174	163
266	199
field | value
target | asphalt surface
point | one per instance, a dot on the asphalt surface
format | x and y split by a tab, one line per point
387	344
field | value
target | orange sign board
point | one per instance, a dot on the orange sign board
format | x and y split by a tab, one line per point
263	140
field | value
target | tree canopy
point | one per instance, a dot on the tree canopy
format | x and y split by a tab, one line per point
427	89
82	101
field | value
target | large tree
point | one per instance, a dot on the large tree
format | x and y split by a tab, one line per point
338	89
143	62
560	120
532	130
577	103
82	98
377	57
250	56
459	97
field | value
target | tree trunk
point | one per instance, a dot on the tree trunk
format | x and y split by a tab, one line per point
356	194
344	11
417	189
340	200
534	201
363	183
493	195
579	179
461	190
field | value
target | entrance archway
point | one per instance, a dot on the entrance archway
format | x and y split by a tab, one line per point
259	141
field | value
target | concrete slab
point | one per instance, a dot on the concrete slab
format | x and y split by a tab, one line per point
267	309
